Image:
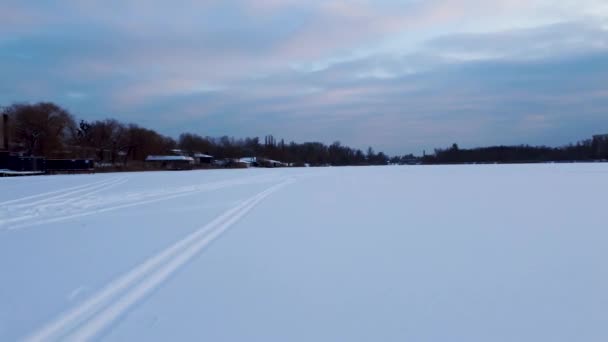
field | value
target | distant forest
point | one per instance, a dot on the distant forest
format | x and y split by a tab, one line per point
595	149
47	130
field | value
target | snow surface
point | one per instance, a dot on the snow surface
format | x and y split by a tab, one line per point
417	253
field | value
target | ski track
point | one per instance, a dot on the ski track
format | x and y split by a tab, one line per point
86	191
51	203
93	316
4	203
48	210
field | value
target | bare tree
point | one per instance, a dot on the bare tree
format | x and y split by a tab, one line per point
41	129
108	138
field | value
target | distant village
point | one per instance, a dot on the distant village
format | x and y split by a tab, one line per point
19	163
44	138
181	160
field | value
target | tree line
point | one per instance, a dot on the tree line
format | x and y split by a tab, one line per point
586	150
45	129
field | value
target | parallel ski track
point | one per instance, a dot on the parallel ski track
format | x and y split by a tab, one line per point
37	220
47	195
74	195
55	201
60	199
95	315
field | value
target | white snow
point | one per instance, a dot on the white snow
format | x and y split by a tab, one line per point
421	253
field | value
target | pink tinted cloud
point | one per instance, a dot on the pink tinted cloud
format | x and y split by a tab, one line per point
20	19
342	26
141	92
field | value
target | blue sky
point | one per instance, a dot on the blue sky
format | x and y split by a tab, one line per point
402	76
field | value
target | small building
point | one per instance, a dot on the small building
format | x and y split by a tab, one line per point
170	162
262	162
249	161
273	163
220	162
204	159
69	165
14	164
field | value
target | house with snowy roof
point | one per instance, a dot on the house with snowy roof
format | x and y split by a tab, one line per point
262	162
249	161
201	158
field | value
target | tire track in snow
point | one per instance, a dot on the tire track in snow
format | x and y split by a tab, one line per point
204	188
100	311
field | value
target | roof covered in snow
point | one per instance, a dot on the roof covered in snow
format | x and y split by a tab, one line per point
17	173
169	158
202	155
251	160
248	160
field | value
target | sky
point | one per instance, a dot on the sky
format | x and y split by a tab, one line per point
401	76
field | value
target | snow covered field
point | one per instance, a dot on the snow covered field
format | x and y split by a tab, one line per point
425	253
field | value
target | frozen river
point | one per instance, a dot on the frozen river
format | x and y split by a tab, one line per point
419	253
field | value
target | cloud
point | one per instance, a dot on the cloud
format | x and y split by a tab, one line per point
540	42
400	75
